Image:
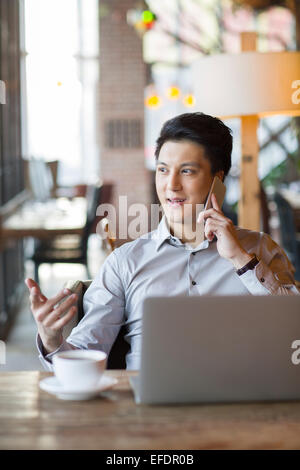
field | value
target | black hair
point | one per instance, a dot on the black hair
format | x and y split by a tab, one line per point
208	131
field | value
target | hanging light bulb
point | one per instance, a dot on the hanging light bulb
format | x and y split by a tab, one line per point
153	101
189	100
173	92
142	20
148	19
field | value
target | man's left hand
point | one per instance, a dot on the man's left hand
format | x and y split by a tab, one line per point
228	245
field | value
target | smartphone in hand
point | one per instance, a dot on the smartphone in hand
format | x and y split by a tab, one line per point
219	189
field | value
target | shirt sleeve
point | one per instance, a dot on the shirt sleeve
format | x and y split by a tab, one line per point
274	274
104	314
46	359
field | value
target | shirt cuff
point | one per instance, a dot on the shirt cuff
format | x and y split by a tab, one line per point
46	359
260	280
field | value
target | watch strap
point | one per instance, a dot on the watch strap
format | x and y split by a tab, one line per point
250	265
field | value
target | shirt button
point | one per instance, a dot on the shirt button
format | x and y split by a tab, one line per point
194	283
262	279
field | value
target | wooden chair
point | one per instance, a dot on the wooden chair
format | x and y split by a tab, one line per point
289	237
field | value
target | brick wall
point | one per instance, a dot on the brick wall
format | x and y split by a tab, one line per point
121	103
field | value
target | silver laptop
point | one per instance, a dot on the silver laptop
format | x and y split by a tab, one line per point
219	349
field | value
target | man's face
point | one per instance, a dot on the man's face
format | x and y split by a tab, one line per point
183	178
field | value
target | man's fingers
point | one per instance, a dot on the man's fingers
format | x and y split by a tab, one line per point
215	202
61	322
211	227
53	313
30	283
211	213
57	298
36	295
43	298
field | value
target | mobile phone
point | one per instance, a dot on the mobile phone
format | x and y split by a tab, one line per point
219	189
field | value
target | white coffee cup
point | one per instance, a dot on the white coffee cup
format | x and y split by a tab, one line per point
79	370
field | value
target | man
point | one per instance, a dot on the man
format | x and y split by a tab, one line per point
174	259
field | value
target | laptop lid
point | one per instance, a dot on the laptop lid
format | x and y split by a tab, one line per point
219	349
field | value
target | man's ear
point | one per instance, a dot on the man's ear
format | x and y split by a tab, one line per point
220	174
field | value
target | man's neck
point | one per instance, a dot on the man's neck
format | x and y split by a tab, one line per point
190	234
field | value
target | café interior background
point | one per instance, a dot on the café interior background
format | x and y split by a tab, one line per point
85	88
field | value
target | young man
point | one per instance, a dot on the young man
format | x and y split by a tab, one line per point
172	260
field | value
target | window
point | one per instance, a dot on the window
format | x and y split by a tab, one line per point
11	167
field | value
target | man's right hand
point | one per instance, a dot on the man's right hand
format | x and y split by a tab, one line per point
50	317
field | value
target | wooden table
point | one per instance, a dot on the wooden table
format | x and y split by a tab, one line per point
45	220
33	419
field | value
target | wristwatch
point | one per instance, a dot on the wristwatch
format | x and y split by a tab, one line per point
250	265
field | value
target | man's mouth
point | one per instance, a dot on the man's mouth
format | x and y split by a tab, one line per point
175	202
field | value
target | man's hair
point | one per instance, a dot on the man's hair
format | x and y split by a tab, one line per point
207	131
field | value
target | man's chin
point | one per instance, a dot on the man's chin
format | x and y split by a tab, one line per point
178	217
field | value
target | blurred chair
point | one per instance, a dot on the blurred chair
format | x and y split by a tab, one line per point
117	355
69	248
39	178
289	237
53	167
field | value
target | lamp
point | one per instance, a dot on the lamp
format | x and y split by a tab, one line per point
249	85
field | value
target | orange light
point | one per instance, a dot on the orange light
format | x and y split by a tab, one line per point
140	26
189	101
153	101
59	83
173	93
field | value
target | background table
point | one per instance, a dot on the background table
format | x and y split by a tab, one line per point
46	220
33	419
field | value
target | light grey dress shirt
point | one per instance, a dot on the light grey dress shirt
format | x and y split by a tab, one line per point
158	264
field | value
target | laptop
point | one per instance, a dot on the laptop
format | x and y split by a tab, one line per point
219	349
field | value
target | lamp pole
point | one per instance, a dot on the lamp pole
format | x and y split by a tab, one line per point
249	203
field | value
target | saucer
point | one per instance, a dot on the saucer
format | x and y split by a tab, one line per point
53	386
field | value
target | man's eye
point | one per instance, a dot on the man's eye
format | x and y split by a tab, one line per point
187	171
162	170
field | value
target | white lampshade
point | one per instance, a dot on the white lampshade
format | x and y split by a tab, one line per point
250	83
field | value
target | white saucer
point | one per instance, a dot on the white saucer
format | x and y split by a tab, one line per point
52	385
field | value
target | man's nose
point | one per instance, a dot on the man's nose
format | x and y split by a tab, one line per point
174	182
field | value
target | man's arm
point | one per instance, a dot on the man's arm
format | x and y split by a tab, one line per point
103	305
273	275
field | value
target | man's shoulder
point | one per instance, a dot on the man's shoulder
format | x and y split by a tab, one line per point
254	239
246	233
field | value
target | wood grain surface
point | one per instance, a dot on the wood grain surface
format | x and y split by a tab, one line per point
33	419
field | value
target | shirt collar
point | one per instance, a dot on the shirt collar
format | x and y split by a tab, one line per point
162	233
